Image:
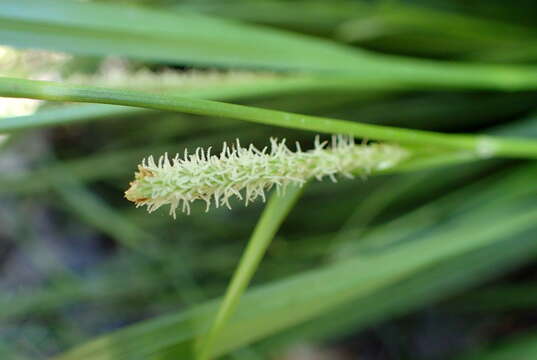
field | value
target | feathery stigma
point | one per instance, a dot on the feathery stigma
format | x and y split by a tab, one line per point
246	172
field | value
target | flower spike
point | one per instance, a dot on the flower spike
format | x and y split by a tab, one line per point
247	172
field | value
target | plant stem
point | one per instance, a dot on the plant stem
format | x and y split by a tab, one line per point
275	212
484	146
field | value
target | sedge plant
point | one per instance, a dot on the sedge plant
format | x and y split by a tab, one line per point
444	236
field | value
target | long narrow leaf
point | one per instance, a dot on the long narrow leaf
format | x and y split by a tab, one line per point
485	146
275	307
159	36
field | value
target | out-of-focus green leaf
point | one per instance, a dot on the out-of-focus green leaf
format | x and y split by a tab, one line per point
498	298
447	32
144	33
96	212
524	347
189	38
295	300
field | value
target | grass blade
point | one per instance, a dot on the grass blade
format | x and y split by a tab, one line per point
481	145
283	304
275	212
153	35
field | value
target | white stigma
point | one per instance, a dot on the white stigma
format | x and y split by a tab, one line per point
246	172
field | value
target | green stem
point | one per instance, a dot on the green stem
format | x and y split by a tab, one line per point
275	212
484	146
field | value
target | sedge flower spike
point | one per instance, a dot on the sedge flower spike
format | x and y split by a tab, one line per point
246	172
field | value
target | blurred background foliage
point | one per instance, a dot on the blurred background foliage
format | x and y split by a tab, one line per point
438	263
